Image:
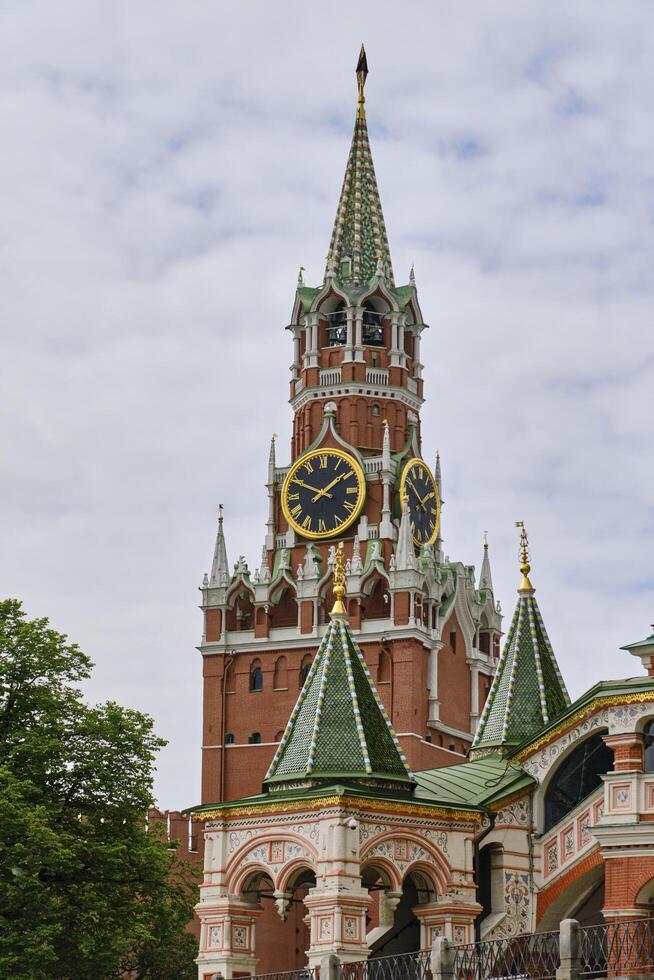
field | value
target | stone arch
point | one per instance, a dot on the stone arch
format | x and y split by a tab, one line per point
384	869
555	771
428	879
397	850
645	893
256	675
570	892
251	885
246	874
258	852
293	872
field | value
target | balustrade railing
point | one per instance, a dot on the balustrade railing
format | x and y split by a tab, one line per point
403	966
330	376
613	949
377	376
534	955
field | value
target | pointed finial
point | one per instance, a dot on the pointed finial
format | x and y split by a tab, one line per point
485	540
379	270
338	609
412	275
525	567
220	513
300	276
362	74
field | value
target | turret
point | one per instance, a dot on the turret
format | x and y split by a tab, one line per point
528	691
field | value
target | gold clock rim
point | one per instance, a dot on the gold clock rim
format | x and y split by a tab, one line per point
361	478
405	469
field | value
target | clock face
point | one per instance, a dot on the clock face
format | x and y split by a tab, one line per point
424	501
323	493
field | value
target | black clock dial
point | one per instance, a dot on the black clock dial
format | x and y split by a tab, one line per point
424	503
323	493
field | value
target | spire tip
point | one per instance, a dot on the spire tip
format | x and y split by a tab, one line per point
362	74
525	567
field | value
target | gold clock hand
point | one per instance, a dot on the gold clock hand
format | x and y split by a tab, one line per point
324	493
411	484
307	486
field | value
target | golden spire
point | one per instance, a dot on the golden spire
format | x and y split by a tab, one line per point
525	567
338	609
362	72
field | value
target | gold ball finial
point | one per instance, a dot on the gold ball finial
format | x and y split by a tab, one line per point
525	567
338	609
220	513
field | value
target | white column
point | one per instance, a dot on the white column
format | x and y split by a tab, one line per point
474	697
432	685
349	345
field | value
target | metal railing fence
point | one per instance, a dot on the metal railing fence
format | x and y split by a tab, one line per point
402	966
534	955
612	949
616	948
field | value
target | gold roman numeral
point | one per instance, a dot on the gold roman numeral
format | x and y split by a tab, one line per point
306	523
338	462
308	467
294	496
322	526
352	490
348	506
295	511
322	462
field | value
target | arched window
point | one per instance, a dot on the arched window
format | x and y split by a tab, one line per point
577	776
279	736
373	327
648	746
254	738
229	738
280	676
256	676
305	667
337	327
376	410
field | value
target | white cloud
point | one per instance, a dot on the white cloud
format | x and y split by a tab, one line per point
164	172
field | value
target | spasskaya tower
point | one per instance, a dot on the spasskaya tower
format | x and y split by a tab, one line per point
429	630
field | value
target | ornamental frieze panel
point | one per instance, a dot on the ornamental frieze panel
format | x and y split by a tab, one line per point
539	765
403	852
273	854
517	814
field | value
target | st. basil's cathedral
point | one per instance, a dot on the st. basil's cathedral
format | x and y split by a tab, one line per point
375	773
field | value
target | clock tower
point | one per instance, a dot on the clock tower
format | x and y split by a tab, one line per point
357	473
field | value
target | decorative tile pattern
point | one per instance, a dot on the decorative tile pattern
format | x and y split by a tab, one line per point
552	857
568	839
584	829
325	928
239	937
339	724
215	937
350	928
459	934
527	691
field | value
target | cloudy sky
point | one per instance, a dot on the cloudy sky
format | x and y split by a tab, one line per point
165	169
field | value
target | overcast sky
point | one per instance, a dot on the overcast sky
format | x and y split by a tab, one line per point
165	169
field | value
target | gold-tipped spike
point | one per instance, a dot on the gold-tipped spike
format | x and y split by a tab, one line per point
220	513
362	74
485	540
338	609
525	567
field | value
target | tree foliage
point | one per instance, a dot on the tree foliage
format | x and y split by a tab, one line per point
86	889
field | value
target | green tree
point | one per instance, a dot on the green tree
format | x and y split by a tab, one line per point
86	889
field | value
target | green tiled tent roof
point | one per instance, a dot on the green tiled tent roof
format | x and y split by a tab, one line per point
339	728
528	691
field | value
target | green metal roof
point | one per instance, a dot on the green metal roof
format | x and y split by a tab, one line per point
527	691
623	687
338	728
475	783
